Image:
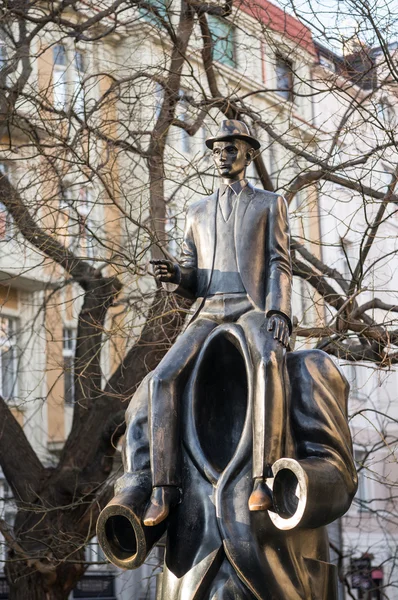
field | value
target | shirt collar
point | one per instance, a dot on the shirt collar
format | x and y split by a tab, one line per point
236	186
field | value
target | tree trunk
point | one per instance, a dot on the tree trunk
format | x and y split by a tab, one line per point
35	586
32	579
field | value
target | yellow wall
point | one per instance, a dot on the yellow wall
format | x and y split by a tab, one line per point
54	368
9	300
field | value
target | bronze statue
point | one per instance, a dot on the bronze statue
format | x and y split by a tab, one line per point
249	454
236	260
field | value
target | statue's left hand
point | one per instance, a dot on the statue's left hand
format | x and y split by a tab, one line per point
279	325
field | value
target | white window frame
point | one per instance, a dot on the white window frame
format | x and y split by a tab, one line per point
385	111
94	554
77	204
78	73
327	63
68	79
159	95
224	38
352	372
8	510
6	224
68	353
286	93
86	222
9	326
60	83
4	58
3	51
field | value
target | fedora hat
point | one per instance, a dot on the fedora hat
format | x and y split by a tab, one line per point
232	129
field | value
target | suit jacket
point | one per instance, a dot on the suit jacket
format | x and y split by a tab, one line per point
262	243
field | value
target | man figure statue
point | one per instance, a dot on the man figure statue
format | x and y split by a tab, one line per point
236	262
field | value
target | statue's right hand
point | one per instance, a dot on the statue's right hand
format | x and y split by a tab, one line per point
164	270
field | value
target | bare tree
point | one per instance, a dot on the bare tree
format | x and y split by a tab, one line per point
104	107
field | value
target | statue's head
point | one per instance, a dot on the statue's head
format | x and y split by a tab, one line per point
233	149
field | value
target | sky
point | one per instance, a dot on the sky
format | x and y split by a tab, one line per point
333	21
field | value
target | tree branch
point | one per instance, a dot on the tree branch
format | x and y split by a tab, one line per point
80	270
155	162
319	283
319	265
358	271
372	304
21	466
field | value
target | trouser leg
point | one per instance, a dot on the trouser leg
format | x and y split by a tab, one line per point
165	387
269	393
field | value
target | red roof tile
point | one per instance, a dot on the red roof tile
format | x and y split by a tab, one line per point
278	20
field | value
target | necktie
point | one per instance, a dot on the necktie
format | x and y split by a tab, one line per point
226	203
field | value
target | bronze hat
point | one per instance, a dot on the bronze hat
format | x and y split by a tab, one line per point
231	129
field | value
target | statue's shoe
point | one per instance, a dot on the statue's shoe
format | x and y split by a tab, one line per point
261	496
162	500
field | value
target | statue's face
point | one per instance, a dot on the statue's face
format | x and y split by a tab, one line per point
231	158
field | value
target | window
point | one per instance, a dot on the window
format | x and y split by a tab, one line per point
6	223
94	554
299	225
158	100
160	6
68	353
77	207
8	358
7	78
223	37
3	51
352	377
362	495
79	71
68	79
385	112
6	220
8	511
284	77
85	223
326	62
67	221
59	77
65	199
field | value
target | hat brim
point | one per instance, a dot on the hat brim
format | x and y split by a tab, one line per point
246	138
